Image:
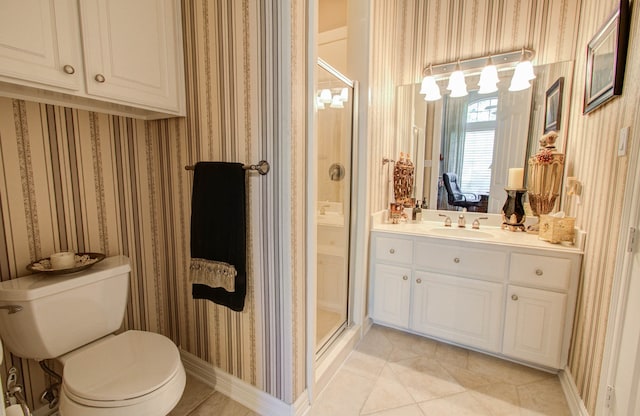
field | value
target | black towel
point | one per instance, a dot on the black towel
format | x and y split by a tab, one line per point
218	234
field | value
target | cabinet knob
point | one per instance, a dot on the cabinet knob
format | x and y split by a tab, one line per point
418	281
392	251
514	297
100	78
405	277
68	69
539	272
456	260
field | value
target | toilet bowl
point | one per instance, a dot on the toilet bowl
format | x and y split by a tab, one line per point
73	318
134	373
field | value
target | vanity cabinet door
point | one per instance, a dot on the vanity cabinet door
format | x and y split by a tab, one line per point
534	325
130	50
391	295
457	309
40	43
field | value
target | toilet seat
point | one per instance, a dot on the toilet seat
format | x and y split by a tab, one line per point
140	371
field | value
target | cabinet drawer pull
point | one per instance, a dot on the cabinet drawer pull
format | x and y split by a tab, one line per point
68	69
418	281
405	277
456	260
391	250
100	78
539	272
514	297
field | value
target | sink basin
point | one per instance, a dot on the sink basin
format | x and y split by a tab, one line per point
461	232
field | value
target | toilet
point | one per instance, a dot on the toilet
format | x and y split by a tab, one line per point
73	318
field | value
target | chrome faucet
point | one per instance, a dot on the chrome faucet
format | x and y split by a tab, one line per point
447	220
476	222
461	221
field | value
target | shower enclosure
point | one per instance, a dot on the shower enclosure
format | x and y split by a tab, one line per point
336	103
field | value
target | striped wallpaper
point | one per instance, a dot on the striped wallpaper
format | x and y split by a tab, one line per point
409	34
592	157
73	179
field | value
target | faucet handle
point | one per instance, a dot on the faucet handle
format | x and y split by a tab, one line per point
447	220
476	222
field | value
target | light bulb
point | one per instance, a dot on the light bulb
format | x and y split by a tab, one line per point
457	84
430	89
325	95
336	102
521	76
488	79
344	94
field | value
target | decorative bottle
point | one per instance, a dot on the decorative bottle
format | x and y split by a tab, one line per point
416	214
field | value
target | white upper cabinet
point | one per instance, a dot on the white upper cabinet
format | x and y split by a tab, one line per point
40	43
116	56
130	51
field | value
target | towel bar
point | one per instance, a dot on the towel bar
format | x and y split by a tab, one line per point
262	167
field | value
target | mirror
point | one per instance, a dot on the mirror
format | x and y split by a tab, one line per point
516	120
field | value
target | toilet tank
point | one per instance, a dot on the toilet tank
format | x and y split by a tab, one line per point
63	312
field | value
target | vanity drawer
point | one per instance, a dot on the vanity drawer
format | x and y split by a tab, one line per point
540	271
397	250
460	260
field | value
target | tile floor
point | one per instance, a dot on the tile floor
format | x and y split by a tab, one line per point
392	373
201	400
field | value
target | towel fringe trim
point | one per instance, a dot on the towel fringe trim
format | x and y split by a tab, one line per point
213	273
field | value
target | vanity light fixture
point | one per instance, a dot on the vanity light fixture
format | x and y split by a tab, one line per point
488	78
319	103
457	84
430	88
458	70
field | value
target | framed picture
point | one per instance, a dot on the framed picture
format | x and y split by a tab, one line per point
606	58
553	106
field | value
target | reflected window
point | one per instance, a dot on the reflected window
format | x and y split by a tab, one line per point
478	145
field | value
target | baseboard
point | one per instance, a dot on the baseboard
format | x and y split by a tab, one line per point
576	405
241	391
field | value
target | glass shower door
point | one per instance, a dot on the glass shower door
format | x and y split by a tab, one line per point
334	103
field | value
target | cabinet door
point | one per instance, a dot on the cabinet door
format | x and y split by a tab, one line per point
462	310
131	51
40	43
534	325
391	295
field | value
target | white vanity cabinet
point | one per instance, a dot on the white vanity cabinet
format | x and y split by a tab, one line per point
117	56
536	322
504	299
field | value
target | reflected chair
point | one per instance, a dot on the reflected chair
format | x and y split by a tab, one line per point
455	196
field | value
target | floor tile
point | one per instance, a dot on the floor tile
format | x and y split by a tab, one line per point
195	392
345	395
220	405
461	404
543	398
388	393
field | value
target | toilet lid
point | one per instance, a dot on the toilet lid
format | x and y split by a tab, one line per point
124	367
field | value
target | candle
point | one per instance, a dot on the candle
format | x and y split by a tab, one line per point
516	178
63	260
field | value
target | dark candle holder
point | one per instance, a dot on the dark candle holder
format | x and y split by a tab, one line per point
513	215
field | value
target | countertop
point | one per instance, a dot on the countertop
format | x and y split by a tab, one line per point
488	234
